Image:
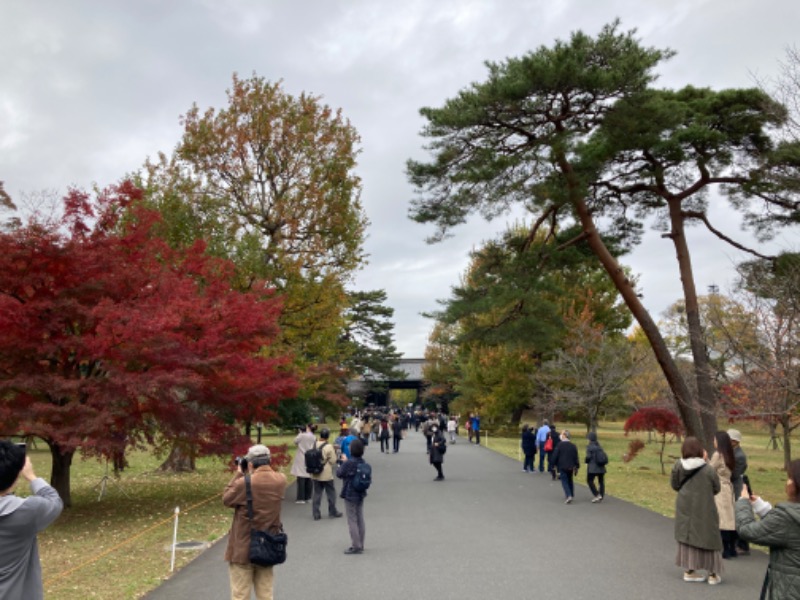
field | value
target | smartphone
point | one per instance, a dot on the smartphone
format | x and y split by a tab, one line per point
746	481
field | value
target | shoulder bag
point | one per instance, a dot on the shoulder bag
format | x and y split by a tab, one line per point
266	549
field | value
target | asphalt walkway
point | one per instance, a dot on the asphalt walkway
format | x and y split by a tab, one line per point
488	531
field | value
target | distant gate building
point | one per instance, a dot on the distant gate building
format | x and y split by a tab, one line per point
412	367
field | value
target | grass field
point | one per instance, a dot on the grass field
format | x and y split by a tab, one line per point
640	481
118	547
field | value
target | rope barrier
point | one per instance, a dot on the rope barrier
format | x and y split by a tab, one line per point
94	559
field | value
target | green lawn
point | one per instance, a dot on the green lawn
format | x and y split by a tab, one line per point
640	481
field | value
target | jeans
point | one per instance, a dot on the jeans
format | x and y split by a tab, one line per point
601	478
396	443
330	490
567	483
541	457
384	443
355	523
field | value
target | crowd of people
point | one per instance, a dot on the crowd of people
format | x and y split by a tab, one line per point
717	515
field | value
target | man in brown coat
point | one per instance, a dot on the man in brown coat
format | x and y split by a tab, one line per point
268	487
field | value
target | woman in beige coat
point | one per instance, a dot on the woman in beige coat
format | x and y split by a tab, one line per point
723	462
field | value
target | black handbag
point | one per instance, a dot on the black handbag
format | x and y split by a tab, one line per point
266	549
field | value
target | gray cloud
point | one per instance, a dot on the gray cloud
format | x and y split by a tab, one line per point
90	89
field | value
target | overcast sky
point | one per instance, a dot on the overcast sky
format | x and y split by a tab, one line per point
89	90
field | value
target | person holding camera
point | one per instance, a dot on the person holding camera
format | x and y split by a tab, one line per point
268	488
21	519
779	530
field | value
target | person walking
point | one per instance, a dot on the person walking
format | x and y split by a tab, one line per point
541	439
468	425
452	425
305	440
723	463
267	490
737	478
476	428
21	520
696	516
353	499
528	445
779	530
384	435
565	461
554	439
596	461
323	481
397	433
438	448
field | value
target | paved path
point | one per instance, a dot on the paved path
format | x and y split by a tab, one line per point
488	531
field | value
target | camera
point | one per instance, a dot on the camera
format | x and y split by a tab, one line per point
22	445
241	462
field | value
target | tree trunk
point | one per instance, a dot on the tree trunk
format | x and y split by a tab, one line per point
706	394
787	441
60	472
773	434
180	459
683	397
516	415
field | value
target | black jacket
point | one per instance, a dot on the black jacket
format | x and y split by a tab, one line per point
437	444
346	471
565	457
529	442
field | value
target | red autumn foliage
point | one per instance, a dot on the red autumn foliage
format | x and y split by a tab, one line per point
634	447
660	420
109	338
653	418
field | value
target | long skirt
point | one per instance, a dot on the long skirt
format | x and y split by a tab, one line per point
698	559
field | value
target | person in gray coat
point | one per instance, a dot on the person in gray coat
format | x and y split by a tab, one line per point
696	516
20	521
779	529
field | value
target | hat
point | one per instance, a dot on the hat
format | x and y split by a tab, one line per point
735	435
257	451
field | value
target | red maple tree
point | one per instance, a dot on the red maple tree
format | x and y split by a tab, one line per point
109	338
661	420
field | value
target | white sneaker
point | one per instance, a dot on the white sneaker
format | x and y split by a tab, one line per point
597	499
693	576
714	579
568	500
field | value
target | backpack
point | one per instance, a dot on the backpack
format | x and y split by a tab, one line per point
600	457
363	477
315	462
548	445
